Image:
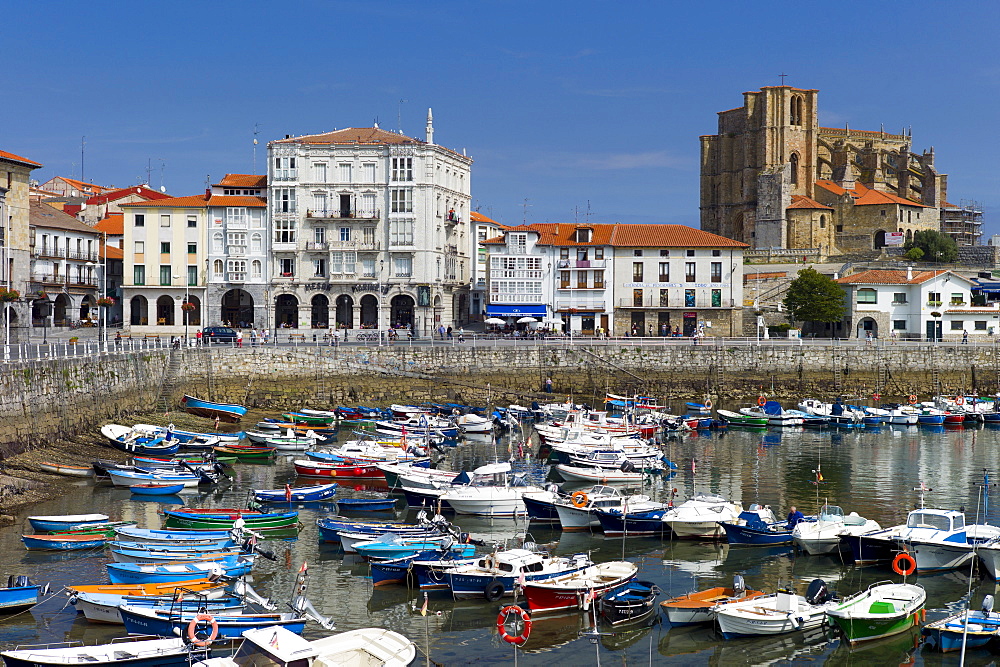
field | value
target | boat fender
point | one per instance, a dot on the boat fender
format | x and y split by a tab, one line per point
904	564
357	472
494	591
579	499
517	640
193	627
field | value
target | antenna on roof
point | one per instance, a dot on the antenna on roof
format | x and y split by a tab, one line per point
524	220
83	145
399	115
375	123
163	165
256	131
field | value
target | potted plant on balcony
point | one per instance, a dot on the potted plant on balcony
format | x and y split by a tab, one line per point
74	340
105	302
8	295
574	311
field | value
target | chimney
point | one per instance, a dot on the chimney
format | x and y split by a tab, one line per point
208	192
430	127
909	273
836	275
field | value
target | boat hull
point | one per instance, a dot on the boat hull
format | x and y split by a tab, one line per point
736	534
18	598
226	412
172	652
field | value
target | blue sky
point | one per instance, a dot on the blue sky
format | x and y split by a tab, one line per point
569	106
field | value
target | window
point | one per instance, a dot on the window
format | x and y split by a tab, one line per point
898	298
236	216
192	221
793	160
284	200
319	172
140	247
217	268
664	272
840	228
598	279
257	243
402	169
345	234
822	222
882	212
689	298
139	220
598	253
165	248
581	254
716	253
401	200
584	234
637	272
319	268
165	220
581	279
689	272
716	272
346	175
664	301
564	280
284	231
368	267
637	253
867	295
934	298
795	111
284	168
690	253
192	248
402	266
368	172
255	268
716	298
899	325
637	297
342	262
401	232
369	236
319	204
957	325
165	278
957	299
980	325
217	242
664	253
138	274
563	253
192	275
286	267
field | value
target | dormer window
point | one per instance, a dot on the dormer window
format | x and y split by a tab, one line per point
584	234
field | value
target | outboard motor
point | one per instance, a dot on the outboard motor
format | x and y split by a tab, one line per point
739	586
817	593
627	466
987	606
18	581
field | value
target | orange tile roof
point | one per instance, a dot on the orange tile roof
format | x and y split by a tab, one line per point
801	201
865	196
114	195
83	185
237	200
242	181
114	224
893	277
476	216
112	252
352	135
624	235
191	201
4	155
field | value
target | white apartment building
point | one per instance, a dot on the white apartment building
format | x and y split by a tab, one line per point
483	228
369	229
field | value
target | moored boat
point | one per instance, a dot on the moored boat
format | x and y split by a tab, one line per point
312	493
63	542
66	469
19	594
227	412
576	590
776	614
66	521
122	652
973	629
700	606
632	601
884	609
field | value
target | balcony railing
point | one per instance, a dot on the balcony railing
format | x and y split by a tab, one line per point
83	281
354	245
582	264
319	246
236	250
588	306
83	256
342	214
236	276
284	246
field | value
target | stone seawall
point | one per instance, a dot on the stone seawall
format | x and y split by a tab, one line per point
45	400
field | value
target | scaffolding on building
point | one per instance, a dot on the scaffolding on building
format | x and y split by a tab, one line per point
964	222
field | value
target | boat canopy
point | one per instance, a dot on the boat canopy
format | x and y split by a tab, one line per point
946	520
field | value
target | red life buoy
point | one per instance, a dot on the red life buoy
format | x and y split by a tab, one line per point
912	399
193	625
877	396
761	400
960	400
517	640
904	564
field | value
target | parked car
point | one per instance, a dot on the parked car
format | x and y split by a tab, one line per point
210	335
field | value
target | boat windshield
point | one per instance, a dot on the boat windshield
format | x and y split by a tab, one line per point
925	520
251	655
830	512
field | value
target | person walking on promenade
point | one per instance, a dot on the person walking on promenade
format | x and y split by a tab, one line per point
548	385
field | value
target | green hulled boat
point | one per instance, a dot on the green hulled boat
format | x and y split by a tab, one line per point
224	519
245	453
311	420
739	419
882	610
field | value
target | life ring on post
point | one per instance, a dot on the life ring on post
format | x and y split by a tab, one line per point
761	400
960	400
877	396
904	564
708	403
912	399
579	499
193	626
516	640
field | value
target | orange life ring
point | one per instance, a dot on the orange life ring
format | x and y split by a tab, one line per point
912	399
877	396
579	499
517	640
904	564
193	625
960	400
708	403
761	400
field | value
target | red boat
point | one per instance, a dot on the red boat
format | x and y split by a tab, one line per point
954	418
577	590
320	469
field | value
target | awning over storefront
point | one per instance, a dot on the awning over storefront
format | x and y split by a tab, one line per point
532	310
986	287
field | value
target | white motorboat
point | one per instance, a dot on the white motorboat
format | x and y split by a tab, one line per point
496	575
824	535
573	473
579	511
782	419
585	437
776	614
989	556
643	457
944	550
503	498
699	516
471	423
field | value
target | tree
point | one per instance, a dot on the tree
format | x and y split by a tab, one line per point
813	297
936	246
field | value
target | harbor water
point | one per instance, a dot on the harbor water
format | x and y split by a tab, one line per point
870	471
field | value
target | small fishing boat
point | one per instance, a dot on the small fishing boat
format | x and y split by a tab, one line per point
756	526
156	489
231	625
350	471
597	475
699	516
541	505
66	522
579	511
700	606
107	529
225	519
227	412
105	608
776	614
737	419
245	453
884	609
154	589
825	534
65	469
124	555
400	546
129	478
296	493
143	573
632	601
495	575
974	629
309	418
63	542
20	594
122	652
366	504
189	437
399	570
577	590
204	537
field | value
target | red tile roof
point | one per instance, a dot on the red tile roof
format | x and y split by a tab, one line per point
114	224
801	201
243	181
476	216
864	196
623	235
191	201
892	277
83	186
237	200
112	252
115	195
10	157
352	135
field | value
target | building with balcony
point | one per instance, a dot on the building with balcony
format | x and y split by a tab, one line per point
238	252
15	261
932	305
65	266
165	264
482	228
369	228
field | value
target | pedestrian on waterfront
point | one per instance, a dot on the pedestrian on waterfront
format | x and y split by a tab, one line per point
197	337
239	339
965	337
868	338
548	385
118	339
441	331
461	335
449	333
634	332
794	517
892	337
253	338
650	330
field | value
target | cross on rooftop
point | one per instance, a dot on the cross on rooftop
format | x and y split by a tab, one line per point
782	78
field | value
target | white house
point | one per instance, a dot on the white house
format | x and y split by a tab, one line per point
932	305
483	228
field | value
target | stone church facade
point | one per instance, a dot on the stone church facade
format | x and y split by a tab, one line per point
773	178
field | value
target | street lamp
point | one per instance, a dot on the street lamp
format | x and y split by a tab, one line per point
184	308
102	312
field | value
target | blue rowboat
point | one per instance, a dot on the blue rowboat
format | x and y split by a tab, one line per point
148	556
156	489
167	622
20	594
330	529
396	570
398	546
366	505
144	652
103	607
151	547
66	522
136	534
298	494
63	542
130	478
950	633
753	531
227	412
141	573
